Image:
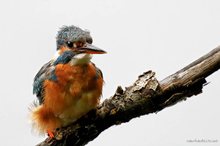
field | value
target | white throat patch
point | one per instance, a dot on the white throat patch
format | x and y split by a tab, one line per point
80	59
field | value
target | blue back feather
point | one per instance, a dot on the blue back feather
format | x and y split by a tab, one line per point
47	72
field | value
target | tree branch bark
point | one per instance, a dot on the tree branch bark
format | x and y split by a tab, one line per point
145	96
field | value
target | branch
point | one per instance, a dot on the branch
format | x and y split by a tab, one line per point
145	96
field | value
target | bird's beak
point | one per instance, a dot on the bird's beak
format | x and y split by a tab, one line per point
91	49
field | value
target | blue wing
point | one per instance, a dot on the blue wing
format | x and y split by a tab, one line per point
98	71
47	72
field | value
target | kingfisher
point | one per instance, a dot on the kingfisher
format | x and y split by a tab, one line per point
69	85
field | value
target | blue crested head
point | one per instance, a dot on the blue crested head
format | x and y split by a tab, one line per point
77	40
68	35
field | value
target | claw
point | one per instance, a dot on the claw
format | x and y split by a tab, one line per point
50	134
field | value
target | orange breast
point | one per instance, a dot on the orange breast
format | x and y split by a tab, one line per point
76	91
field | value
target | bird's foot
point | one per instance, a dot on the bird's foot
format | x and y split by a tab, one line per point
50	133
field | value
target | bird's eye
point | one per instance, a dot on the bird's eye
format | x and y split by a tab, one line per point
69	44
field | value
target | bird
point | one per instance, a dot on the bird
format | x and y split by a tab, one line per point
69	85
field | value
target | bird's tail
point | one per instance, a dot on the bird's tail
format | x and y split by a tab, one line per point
43	119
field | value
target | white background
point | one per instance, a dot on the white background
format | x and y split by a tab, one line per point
140	35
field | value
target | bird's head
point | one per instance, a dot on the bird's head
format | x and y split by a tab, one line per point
77	40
